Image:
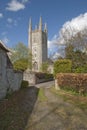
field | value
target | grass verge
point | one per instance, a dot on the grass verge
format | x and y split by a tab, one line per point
74	98
41	95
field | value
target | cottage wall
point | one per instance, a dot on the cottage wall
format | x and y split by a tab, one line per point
3	76
10	80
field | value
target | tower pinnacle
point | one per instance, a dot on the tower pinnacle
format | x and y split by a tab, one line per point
45	28
40	24
30	35
30	25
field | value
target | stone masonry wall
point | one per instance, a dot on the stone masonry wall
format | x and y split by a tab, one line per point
14	79
3	79
9	79
36	77
30	77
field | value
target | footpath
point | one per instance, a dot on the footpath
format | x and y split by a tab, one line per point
25	111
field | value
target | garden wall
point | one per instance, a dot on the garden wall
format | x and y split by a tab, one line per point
10	81
36	77
14	79
77	82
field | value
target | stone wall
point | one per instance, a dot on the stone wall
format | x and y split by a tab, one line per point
3	88
77	82
10	80
30	77
50	68
35	78
3	79
14	79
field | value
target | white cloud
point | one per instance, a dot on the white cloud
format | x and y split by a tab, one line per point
52	47
1	15
25	1
56	55
4	33
78	23
15	5
71	28
52	42
9	20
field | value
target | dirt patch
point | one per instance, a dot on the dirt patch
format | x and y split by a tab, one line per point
15	111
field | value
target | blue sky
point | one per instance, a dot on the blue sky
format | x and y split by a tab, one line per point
15	14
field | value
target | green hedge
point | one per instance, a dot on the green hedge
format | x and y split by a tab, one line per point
62	66
82	69
41	75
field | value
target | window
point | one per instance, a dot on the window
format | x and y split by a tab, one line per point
35	66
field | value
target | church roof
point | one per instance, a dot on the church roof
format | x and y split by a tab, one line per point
3	46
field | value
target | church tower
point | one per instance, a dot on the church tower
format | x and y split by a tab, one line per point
37	44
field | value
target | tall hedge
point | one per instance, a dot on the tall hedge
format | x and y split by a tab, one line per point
72	81
62	66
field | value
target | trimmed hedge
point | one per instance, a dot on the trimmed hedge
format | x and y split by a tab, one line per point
62	66
41	75
72	81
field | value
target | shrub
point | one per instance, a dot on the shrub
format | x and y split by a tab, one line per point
62	66
48	76
9	93
44	67
24	84
45	76
82	69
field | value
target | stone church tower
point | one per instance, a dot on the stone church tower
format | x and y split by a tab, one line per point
37	43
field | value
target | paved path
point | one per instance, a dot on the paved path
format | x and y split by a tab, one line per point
56	114
25	111
46	84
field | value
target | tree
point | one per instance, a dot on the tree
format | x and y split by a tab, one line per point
75	46
19	51
69	51
44	67
21	64
69	35
78	58
21	57
62	66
